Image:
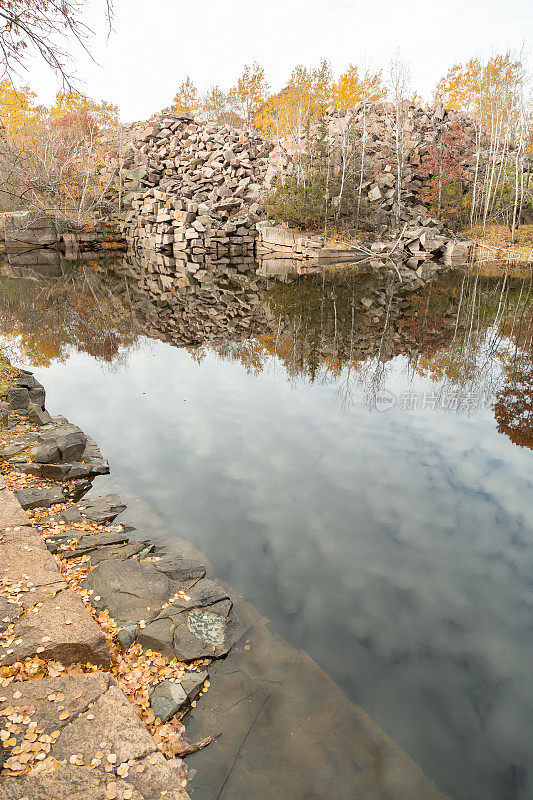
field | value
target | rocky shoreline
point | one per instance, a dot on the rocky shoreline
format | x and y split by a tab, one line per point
106	599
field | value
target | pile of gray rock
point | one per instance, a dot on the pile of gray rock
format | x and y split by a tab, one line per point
196	192
197	189
374	137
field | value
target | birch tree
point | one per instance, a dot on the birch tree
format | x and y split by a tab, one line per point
493	93
249	93
399	83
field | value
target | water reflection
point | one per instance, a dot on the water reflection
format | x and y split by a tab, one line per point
394	547
470	334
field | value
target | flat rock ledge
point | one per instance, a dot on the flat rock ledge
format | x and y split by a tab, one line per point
59	451
78	737
86	724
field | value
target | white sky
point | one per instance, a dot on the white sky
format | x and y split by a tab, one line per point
155	44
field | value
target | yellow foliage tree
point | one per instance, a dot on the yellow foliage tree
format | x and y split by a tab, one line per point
353	88
187	100
104	114
492	92
17	107
249	93
483	89
288	113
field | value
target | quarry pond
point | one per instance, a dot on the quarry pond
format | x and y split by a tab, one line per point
353	455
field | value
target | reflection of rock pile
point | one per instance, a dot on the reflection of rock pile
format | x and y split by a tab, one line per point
332	317
187	308
197	187
351	320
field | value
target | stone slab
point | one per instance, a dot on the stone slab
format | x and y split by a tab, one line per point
59	629
40	496
129	590
89	714
28	571
98	510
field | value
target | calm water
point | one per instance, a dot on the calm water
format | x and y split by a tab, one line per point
354	458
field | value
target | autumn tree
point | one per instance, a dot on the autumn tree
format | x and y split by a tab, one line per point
249	93
513	407
492	93
17	107
288	115
63	160
445	168
187	99
483	89
19	122
104	115
353	88
217	106
45	27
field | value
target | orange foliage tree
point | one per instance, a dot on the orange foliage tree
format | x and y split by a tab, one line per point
513	407
62	159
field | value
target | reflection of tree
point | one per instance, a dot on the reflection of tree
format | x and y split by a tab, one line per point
468	334
82	309
486	315
513	409
344	328
250	353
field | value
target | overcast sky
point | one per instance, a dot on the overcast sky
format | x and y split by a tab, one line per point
155	44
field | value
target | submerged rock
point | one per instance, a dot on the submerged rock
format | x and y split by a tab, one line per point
169	697
198	625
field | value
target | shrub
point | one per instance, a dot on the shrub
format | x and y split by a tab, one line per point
301	204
